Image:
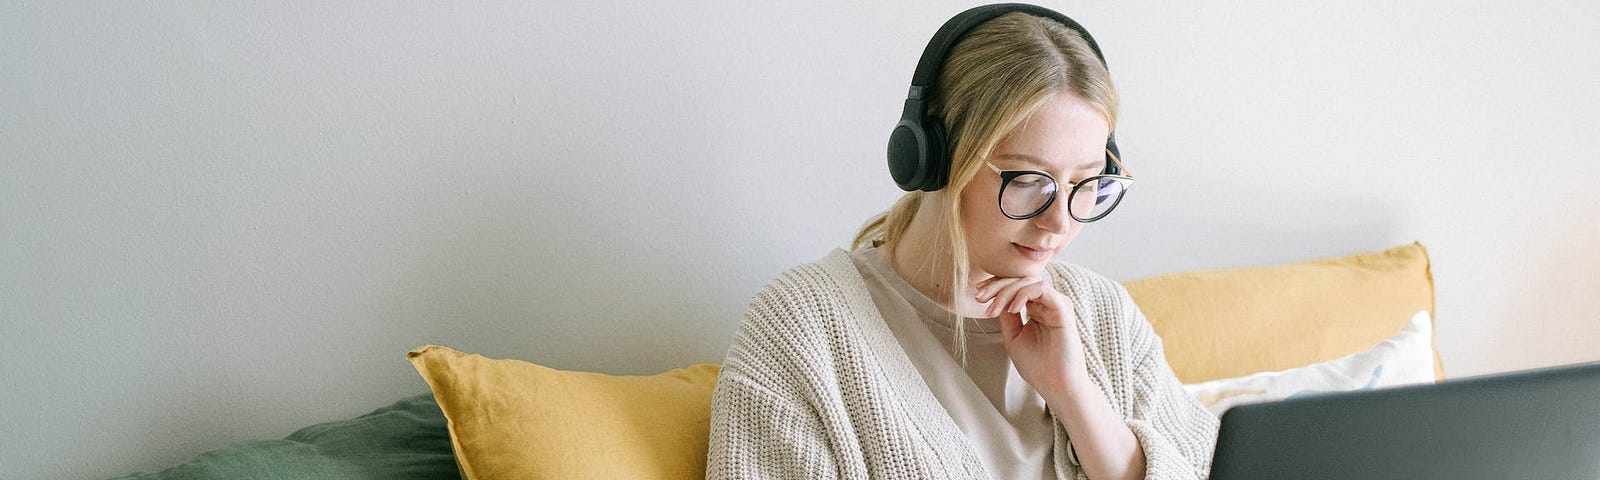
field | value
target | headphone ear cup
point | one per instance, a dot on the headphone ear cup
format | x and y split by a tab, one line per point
908	153
938	156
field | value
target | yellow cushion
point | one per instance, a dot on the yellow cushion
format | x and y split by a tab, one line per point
514	419
1229	323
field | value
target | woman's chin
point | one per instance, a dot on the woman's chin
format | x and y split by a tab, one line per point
1013	263
1020	269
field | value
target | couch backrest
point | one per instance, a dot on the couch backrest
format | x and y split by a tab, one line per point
1227	323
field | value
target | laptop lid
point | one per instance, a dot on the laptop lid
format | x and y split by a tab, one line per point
1542	423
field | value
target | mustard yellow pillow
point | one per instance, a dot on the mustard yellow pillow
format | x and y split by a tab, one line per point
1229	323
516	420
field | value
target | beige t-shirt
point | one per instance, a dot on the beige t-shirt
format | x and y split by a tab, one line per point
1002	415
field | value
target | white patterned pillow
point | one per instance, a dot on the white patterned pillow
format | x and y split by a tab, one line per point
1405	359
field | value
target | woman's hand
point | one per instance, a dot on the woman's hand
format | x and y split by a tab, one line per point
1048	353
1047	349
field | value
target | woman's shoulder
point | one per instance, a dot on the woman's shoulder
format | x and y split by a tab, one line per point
823	278
797	298
796	320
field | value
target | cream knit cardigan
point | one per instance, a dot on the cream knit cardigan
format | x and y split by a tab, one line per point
816	386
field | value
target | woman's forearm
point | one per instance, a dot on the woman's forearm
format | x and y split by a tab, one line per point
1106	448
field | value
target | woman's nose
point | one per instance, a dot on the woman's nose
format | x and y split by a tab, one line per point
1056	219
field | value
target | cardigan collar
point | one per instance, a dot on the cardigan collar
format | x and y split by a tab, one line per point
896	365
909	385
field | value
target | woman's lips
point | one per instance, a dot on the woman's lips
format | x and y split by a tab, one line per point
1032	253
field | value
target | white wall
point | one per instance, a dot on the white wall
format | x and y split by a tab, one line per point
222	222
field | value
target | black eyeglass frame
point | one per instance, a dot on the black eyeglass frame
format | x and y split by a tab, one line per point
1006	176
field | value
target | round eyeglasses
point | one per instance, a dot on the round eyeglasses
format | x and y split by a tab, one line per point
1025	194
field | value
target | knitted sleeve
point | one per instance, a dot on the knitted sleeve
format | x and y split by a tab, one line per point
1176	432
763	424
758	433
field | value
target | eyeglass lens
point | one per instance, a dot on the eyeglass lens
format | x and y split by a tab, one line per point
1029	194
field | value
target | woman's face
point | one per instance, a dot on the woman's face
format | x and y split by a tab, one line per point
1066	138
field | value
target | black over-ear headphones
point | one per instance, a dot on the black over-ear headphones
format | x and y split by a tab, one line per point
919	157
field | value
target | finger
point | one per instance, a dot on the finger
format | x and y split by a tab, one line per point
1044	302
987	281
1010	326
1028	293
1004	298
983	282
992	285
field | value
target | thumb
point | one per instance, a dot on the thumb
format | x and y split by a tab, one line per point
1010	325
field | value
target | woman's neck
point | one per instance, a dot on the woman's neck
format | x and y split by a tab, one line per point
922	258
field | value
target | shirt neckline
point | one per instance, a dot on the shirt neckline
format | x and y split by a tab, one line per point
926	307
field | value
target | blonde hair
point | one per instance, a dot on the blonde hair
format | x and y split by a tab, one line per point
993	78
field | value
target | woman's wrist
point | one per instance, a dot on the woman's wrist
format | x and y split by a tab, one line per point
1071	389
1105	446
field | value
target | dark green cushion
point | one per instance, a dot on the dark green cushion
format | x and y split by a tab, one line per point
406	440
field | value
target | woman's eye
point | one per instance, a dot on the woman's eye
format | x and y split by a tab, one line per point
1028	184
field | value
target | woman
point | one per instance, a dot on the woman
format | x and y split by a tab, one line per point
862	364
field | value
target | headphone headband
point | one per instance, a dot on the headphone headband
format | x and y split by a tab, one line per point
918	154
945	39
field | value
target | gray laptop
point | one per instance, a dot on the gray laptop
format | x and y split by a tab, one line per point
1542	424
